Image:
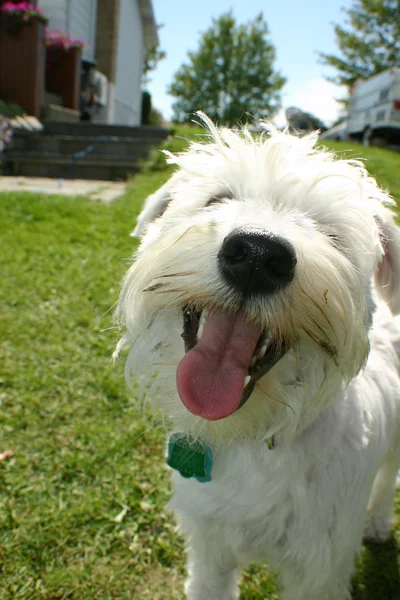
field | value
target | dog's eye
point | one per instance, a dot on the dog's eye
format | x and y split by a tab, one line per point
334	239
218	198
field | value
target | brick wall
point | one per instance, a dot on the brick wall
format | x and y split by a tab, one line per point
107	37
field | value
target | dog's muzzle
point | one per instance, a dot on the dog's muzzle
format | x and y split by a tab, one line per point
226	354
254	261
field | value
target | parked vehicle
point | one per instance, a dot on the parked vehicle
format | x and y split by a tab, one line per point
374	109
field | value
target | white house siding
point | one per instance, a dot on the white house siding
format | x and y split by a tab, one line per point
56	12
82	24
76	17
127	91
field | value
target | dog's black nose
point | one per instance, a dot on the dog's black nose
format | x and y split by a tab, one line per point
256	261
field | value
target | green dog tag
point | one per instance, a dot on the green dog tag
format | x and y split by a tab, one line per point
189	458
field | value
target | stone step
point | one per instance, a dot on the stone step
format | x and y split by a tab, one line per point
68	144
59	158
50	165
96	129
58	113
80	150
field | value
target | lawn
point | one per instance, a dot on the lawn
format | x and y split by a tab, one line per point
82	496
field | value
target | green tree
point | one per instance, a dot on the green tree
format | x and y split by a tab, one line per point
231	76
150	116
151	59
370	42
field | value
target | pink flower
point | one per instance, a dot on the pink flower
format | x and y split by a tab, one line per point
61	39
21	10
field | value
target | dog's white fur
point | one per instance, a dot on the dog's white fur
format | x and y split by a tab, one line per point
332	402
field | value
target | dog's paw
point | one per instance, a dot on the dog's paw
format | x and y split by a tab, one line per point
197	591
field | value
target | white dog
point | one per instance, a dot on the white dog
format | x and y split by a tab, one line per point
279	266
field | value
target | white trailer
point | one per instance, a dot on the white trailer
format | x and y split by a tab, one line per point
374	108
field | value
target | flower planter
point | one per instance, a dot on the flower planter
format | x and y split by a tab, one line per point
63	69
22	66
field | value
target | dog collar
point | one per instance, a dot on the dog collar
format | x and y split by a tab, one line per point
194	458
191	458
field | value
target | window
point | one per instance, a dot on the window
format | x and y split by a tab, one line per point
384	95
380	115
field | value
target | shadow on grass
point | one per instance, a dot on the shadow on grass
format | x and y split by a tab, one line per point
378	576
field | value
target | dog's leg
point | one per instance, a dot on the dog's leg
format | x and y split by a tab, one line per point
212	570
379	517
308	583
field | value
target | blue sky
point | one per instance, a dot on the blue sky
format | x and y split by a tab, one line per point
298	30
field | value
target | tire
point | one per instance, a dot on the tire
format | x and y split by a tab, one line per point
367	137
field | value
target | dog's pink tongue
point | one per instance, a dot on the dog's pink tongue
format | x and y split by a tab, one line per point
210	378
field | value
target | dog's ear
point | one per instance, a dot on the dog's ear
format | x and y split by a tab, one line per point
387	277
154	207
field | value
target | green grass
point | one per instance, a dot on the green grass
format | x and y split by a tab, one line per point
381	163
82	500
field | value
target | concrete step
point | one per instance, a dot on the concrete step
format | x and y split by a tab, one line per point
68	145
49	165
55	112
59	159
80	150
97	129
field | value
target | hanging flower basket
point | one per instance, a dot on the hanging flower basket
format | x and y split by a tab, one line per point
61	39
59	43
14	16
22	56
63	65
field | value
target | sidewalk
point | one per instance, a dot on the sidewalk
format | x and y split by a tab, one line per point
106	191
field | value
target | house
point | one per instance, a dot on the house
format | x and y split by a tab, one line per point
49	82
117	33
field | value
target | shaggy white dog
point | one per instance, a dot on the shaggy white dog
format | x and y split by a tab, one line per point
279	266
